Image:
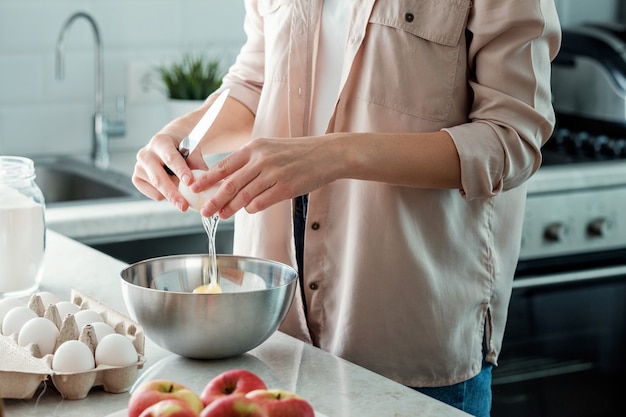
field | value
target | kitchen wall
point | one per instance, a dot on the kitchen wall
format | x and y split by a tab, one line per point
40	115
573	12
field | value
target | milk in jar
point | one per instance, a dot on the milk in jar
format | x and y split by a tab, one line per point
22	227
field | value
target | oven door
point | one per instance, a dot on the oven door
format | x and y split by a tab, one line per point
564	351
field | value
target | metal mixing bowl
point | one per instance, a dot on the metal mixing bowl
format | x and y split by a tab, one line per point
256	296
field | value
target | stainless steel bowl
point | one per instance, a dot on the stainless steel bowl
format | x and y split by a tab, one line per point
256	296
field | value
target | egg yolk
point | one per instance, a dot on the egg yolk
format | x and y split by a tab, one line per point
212	288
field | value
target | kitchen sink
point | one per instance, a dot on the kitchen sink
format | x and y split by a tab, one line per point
65	180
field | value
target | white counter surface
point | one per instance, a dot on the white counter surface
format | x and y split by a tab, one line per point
334	387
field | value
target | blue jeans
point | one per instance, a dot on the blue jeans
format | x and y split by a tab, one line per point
472	396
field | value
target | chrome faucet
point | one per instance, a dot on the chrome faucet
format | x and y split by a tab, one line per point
102	127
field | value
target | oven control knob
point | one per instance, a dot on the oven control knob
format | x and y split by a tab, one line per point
598	227
554	232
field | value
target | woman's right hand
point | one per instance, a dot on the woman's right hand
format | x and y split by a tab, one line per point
150	176
229	131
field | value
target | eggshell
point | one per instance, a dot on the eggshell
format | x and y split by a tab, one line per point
116	350
7	304
73	356
15	319
84	317
197	200
48	298
102	329
66	307
41	332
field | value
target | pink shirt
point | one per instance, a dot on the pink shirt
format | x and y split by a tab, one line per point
406	281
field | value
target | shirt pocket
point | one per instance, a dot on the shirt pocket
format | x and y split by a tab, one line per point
417	48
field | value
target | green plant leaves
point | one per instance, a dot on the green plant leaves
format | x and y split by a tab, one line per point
193	78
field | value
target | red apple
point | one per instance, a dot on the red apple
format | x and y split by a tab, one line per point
234	381
282	403
234	405
152	392
169	408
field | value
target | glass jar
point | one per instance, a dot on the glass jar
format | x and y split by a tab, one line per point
22	227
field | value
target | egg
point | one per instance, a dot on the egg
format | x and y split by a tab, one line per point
41	332
7	304
84	317
73	356
102	329
212	288
48	298
116	350
197	200
15	318
66	307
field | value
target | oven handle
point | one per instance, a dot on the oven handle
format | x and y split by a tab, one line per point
597	274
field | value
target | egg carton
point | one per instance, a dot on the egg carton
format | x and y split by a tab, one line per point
23	369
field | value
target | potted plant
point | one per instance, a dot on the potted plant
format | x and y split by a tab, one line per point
189	81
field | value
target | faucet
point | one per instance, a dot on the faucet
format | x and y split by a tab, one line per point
102	127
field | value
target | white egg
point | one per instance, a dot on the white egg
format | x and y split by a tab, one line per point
102	329
41	332
66	307
7	304
73	356
48	298
15	319
84	317
116	350
197	200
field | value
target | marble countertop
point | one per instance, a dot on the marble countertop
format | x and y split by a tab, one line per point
334	386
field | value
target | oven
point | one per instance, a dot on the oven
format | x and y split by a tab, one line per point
564	349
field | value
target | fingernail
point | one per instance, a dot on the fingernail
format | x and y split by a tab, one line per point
179	205
186	179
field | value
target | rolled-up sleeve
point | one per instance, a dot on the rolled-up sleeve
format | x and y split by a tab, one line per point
511	45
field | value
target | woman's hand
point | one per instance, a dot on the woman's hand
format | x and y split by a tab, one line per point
229	131
266	171
150	176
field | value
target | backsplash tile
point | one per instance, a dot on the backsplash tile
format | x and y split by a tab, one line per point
40	115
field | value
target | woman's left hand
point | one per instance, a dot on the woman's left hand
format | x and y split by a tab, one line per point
266	171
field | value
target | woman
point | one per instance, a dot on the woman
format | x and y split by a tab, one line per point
382	148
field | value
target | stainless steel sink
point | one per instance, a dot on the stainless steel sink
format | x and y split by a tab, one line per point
65	180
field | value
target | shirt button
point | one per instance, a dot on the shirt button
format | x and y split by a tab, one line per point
315	226
409	17
313	286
